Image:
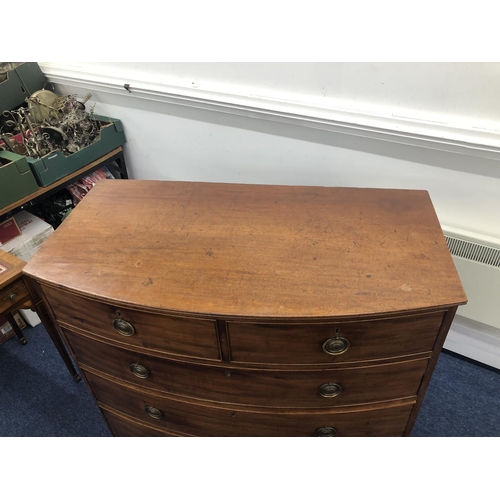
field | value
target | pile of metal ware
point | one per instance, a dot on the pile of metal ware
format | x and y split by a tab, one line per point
48	123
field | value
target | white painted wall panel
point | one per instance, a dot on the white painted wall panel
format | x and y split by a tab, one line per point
456	95
167	141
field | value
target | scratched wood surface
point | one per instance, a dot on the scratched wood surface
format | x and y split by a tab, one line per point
253	250
11	268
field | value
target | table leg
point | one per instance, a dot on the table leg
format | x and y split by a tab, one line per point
15	327
54	336
41	309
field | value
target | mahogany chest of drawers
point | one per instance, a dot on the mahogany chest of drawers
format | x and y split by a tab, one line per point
205	309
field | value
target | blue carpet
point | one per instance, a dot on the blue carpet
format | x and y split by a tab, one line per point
38	396
463	399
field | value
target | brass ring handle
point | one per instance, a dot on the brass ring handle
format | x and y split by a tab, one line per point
139	370
326	432
12	296
153	412
330	390
336	345
123	327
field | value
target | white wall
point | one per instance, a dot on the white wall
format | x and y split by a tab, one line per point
461	95
311	123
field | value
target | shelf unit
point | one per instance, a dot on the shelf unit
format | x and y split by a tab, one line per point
114	159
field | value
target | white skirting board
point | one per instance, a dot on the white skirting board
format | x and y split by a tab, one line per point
474	340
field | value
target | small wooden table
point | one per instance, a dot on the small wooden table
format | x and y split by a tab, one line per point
15	294
13	291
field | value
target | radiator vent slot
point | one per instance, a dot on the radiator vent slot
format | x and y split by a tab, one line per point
473	251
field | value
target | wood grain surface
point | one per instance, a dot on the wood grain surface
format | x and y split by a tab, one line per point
180	416
12	268
293	388
265	251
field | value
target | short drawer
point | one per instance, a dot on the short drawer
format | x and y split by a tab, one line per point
12	294
204	420
155	332
255	387
346	341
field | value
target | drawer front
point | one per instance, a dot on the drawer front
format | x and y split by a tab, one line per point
257	387
305	343
13	294
124	427
157	332
203	420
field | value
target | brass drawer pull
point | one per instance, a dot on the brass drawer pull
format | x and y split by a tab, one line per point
139	370
123	327
330	390
326	432
154	412
336	345
12	296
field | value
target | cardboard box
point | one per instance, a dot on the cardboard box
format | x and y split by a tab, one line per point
54	166
31	317
34	231
16	178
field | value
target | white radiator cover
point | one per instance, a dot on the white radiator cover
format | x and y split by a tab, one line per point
475	332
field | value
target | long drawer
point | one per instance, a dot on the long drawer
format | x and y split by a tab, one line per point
157	332
333	342
125	427
175	416
259	387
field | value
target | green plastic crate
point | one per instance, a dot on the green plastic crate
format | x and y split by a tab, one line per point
54	166
21	83
16	178
24	81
